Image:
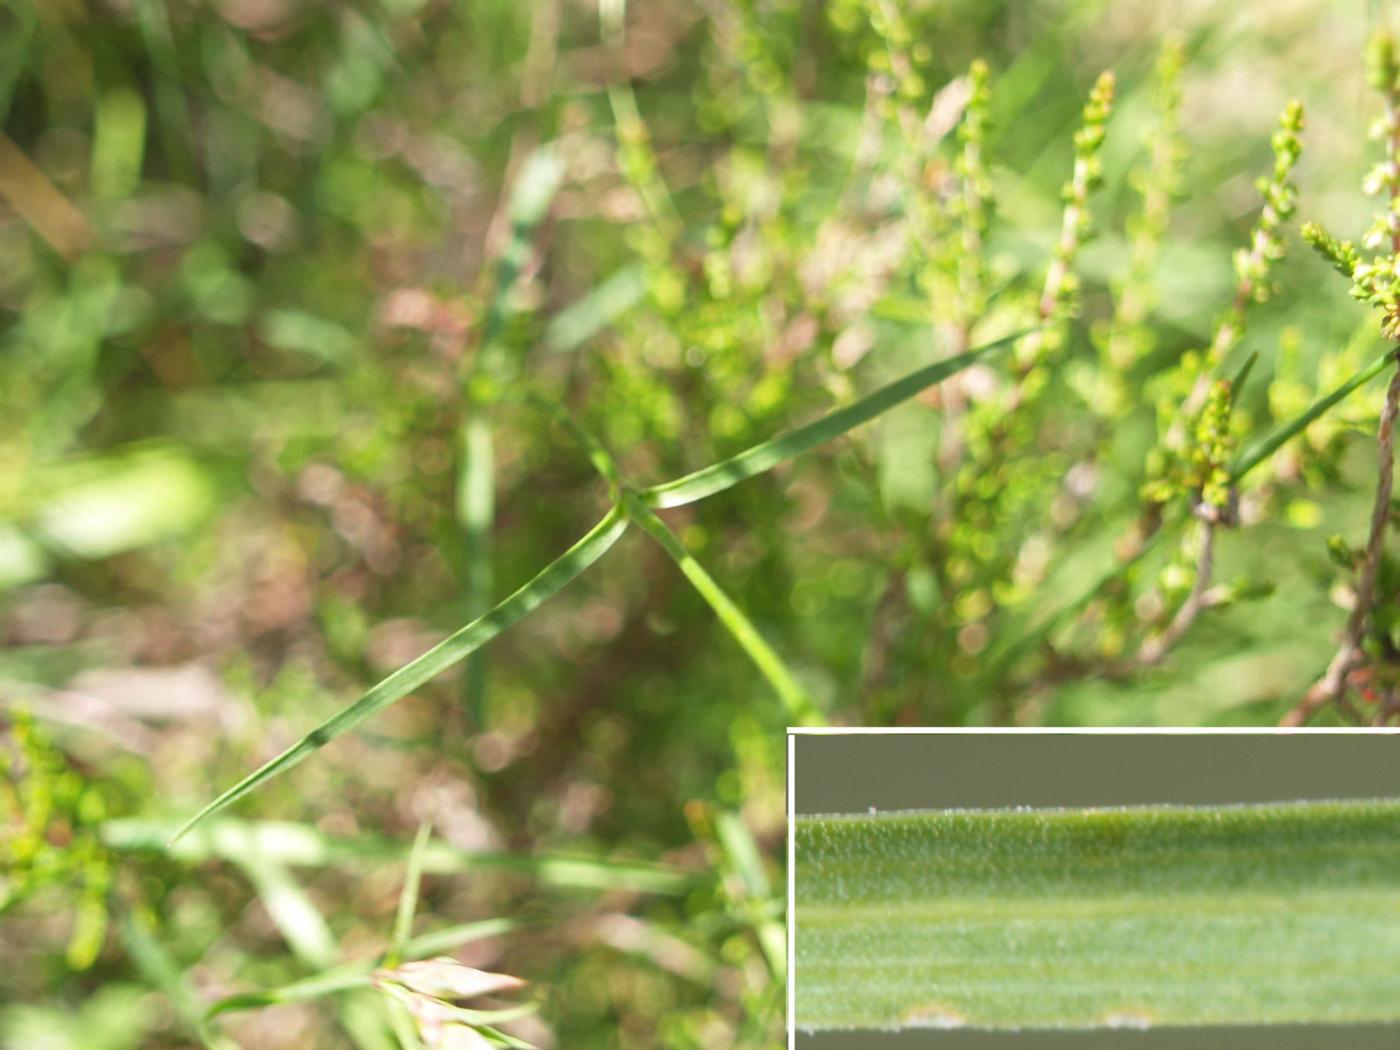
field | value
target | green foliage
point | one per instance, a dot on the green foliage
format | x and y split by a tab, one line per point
551	579
1097	918
323	329
1375	280
51	843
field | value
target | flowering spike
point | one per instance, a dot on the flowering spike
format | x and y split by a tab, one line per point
1060	298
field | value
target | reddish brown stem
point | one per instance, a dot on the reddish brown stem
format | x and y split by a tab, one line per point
1332	685
1154	649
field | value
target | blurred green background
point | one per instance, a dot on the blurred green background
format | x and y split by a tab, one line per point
255	286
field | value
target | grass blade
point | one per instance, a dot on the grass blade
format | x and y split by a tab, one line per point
602	460
309	937
795	700
529	204
742	856
408	900
1006	656
299	921
157	966
766	456
301	845
1257	453
1099	918
476	512
436	660
581	321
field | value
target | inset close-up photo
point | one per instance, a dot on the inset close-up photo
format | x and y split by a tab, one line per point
445	445
1259	895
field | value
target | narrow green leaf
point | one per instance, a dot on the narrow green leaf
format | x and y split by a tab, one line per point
309	937
794	698
1262	450
299	921
602	460
742	853
174	123
1242	376
766	456
408	899
156	965
1099	918
357	975
302	845
529	204
743	857
436	660
476	511
580	321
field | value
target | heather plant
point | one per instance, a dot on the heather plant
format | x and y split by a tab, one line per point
1367	654
327	365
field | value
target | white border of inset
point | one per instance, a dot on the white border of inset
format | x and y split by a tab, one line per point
793	731
791	898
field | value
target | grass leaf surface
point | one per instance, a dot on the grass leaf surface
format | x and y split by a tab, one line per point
1137	917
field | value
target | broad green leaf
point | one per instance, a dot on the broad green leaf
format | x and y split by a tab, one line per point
1285	913
795	699
436	660
1262	450
764	457
301	845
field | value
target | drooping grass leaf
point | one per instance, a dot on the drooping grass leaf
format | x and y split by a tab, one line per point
357	975
1099	918
1256	453
795	699
436	660
299	921
301	845
766	456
